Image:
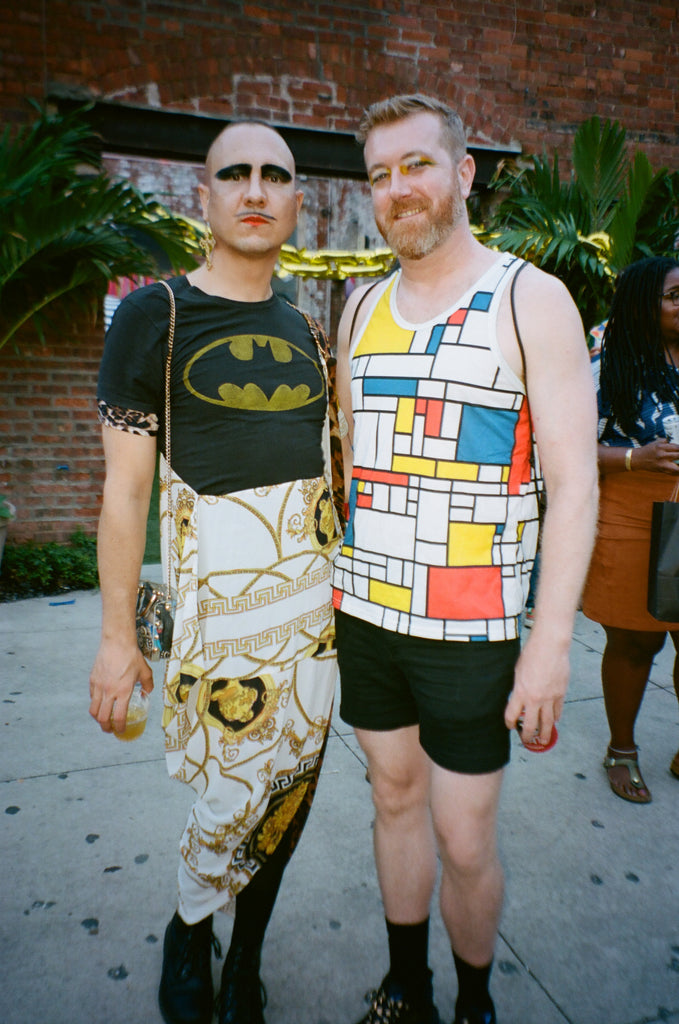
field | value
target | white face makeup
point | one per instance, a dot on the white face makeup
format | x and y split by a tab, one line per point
250	200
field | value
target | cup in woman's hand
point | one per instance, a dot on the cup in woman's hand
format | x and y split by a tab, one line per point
671	427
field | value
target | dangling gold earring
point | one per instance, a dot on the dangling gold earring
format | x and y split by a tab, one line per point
207	244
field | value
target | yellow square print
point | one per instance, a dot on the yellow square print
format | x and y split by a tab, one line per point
389	595
405	414
470	543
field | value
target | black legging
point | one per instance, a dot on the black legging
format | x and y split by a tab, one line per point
255	903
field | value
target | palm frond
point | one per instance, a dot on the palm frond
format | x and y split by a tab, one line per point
44	155
66	234
624	223
599	163
658	224
612	210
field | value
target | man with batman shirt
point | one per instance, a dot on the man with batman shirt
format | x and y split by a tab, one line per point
256	517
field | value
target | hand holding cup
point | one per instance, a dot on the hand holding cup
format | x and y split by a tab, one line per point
137	713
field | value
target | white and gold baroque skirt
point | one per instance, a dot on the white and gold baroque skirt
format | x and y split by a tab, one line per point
250	682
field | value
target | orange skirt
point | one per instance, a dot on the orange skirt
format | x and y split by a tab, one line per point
617	583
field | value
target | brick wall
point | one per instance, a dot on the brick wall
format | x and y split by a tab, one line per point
50	443
521	72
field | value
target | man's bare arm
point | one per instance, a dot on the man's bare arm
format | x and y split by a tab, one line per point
344	373
563	408
130	465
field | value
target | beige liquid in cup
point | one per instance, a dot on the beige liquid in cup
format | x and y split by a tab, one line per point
137	713
134	726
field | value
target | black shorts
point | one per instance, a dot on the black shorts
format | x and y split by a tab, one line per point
456	691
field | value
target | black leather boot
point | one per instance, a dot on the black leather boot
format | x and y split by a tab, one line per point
389	1004
242	997
473	1015
186	995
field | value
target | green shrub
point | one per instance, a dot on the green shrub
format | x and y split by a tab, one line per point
33	570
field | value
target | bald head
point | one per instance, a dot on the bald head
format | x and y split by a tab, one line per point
249	197
234	142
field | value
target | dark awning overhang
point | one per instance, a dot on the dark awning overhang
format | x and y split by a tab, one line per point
176	135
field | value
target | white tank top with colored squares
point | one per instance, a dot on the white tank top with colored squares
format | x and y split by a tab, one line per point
443	521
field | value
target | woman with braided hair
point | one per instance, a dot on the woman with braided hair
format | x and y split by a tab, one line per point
638	389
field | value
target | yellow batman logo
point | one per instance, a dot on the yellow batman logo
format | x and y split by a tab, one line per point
251	396
242	347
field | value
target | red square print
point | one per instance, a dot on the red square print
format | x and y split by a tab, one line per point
432	423
465	593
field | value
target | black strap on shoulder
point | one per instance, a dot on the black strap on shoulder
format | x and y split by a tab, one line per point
533	457
514	321
360	302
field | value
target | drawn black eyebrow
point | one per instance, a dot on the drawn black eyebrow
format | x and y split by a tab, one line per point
275	169
245	170
228	172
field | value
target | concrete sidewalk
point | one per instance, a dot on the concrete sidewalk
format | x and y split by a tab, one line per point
590	930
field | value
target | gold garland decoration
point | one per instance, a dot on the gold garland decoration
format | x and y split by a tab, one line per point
333	264
326	264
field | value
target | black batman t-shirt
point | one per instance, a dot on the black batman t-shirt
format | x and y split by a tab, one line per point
247	388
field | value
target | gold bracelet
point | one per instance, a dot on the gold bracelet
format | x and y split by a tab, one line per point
628	458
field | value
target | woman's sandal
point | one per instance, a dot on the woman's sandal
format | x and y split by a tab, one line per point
632	766
674	765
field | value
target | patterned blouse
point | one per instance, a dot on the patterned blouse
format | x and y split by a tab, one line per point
653	411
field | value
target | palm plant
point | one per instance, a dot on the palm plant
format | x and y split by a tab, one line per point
67	230
612	210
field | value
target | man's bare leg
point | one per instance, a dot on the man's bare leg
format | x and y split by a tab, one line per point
464	809
405	849
405	855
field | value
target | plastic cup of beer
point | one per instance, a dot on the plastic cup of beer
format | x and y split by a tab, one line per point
137	713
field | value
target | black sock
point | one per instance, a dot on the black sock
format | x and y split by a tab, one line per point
408	956
472	985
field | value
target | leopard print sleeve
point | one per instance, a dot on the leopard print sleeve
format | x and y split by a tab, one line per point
336	458
131	420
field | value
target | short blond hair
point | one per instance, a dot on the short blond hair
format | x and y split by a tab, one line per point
396	108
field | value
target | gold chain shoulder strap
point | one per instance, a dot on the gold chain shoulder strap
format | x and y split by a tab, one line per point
316	331
168	446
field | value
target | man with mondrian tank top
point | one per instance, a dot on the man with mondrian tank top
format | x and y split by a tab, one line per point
459	377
